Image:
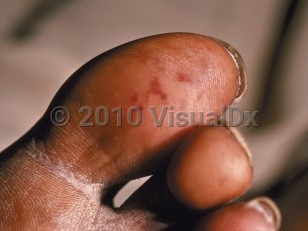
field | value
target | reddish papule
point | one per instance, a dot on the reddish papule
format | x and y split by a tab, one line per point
134	98
155	88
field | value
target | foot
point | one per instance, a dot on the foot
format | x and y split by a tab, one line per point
64	173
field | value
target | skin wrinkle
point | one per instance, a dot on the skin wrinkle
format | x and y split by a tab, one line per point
15	190
134	220
89	190
82	214
75	141
82	208
90	204
78	155
26	193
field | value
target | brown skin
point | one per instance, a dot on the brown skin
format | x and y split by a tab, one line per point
145	73
45	176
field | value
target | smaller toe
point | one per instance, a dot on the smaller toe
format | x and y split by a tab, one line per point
210	168
258	214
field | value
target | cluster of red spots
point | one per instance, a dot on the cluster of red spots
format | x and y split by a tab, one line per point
155	89
181	77
134	98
